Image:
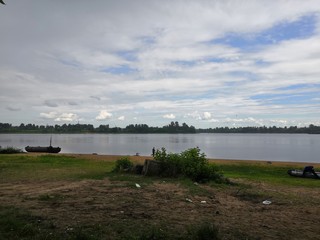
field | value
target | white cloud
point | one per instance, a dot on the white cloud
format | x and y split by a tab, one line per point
66	117
169	116
200	116
96	55
50	115
206	116
60	117
103	115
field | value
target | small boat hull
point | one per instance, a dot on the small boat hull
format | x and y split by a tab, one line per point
49	149
299	173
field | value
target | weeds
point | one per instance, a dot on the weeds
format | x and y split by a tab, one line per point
10	150
123	165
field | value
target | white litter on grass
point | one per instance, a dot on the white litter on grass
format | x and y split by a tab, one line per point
266	202
137	185
203	201
188	200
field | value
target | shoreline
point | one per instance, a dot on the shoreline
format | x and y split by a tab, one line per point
141	159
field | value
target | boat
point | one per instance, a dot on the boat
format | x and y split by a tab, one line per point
48	149
299	173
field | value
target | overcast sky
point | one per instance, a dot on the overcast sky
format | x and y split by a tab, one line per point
206	63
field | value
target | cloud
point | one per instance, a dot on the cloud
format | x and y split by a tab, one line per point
169	116
200	116
60	117
204	60
14	109
121	118
72	103
103	115
66	117
50	103
96	97
206	116
50	115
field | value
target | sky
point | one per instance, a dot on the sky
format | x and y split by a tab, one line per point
209	64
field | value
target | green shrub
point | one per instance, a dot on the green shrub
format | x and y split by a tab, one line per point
123	164
190	163
9	150
194	164
170	164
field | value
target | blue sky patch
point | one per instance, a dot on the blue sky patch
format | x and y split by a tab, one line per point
123	69
128	55
286	99
300	86
304	27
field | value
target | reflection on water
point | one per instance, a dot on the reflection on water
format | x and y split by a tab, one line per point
276	147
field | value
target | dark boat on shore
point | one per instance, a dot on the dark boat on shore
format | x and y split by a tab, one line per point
299	173
48	149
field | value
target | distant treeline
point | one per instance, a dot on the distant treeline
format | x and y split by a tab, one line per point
173	127
311	129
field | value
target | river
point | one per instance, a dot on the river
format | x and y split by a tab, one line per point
273	147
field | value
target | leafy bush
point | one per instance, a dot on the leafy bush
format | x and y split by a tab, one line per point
190	163
170	164
123	164
9	150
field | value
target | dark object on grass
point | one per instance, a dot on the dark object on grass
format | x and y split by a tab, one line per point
49	149
307	172
151	168
138	169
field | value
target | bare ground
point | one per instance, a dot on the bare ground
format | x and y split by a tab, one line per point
237	211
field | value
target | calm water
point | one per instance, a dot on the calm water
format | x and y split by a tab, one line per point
275	147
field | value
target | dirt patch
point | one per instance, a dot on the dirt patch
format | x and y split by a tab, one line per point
238	212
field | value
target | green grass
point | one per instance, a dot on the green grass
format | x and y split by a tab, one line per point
266	173
16	167
51	167
19	224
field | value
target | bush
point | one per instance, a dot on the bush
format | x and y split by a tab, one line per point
190	163
123	164
9	150
170	164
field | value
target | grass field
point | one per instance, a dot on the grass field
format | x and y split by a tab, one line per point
78	197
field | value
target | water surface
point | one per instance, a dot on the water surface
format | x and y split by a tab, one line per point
274	147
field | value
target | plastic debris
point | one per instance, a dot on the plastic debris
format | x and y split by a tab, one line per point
203	201
137	185
266	202
188	200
